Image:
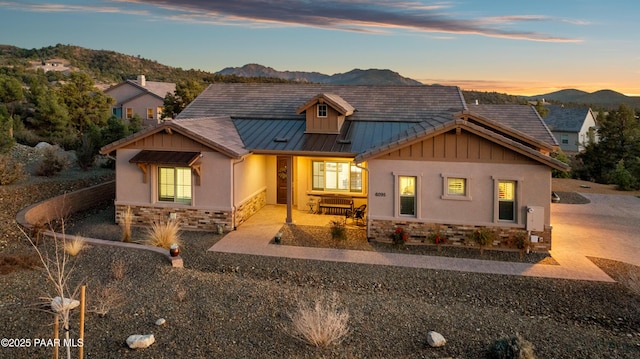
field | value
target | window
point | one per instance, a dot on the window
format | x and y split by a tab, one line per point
174	184
117	111
336	176
507	201
456	186
322	110
129	113
407	189
150	114
564	139
159	111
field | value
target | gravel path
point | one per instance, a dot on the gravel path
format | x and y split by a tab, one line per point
236	306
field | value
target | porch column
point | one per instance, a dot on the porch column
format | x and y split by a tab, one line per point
289	220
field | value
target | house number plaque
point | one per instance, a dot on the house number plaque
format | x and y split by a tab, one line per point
381	194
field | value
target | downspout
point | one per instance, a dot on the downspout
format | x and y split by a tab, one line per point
233	190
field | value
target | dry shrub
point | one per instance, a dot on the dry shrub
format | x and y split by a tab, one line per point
105	298
181	293
10	170
163	234
321	324
53	161
74	246
512	348
12	262
127	220
118	269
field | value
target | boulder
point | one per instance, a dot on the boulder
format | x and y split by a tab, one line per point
58	304
42	145
161	321
139	341
435	339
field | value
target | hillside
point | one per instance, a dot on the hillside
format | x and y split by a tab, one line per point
607	99
353	77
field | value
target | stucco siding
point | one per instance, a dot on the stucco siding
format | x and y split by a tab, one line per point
534	188
250	177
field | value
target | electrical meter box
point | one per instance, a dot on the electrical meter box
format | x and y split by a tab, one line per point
535	218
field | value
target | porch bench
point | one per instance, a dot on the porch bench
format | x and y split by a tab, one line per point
335	205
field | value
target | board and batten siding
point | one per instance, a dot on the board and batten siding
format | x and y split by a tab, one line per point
463	147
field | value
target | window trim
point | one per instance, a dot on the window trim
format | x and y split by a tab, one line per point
325	110
564	139
516	205
150	110
128	113
324	189
396	192
455	197
175	185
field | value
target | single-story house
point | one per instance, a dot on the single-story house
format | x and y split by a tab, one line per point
418	156
140	97
573	127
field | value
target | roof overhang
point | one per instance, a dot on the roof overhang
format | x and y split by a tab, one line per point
456	124
169	158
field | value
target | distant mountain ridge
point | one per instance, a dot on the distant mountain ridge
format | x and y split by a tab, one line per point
353	77
602	98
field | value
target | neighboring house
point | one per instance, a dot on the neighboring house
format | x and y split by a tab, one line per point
572	127
416	155
140	97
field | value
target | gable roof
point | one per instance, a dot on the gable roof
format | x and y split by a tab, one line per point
520	121
567	119
154	88
333	100
217	133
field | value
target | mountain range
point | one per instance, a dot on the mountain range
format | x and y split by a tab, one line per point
353	77
110	67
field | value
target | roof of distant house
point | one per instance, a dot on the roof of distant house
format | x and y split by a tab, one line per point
566	119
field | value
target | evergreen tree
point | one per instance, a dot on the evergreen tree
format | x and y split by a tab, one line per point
85	103
186	91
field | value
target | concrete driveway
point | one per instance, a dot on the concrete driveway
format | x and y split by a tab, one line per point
608	227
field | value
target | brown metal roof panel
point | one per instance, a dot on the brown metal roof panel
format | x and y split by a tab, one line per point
170	158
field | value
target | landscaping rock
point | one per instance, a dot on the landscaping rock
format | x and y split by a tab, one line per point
139	341
161	321
58	305
435	339
42	145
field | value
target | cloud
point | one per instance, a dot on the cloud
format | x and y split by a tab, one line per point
69	8
346	15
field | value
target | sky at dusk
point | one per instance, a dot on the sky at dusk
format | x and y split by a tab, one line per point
517	47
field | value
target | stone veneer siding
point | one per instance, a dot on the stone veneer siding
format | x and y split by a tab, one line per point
194	218
456	235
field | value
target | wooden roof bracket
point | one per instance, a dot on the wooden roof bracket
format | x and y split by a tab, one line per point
197	170
144	167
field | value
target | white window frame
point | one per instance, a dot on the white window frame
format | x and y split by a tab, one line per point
466	196
519	182
564	139
128	113
175	200
322	110
397	191
350	179
150	110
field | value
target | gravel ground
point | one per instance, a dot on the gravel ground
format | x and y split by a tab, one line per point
237	306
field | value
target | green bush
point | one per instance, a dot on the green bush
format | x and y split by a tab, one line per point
622	178
86	152
10	170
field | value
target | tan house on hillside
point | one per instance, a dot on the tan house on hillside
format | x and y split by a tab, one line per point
417	156
140	97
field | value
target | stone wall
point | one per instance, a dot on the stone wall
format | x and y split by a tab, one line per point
248	208
456	235
193	218
189	218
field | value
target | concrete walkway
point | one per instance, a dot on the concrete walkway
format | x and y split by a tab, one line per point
255	235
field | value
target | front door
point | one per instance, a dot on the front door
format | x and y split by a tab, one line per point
281	180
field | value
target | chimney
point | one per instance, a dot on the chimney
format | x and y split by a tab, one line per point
142	81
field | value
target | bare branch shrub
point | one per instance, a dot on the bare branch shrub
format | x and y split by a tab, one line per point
321	324
104	299
118	268
10	170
